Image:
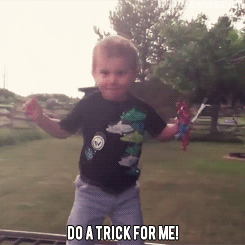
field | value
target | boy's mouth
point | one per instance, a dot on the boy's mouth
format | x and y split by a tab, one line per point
112	88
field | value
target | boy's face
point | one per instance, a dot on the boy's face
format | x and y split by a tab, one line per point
113	76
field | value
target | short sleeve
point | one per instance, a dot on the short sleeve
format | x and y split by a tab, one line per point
154	124
74	119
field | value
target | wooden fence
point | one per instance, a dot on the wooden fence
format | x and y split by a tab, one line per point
14	116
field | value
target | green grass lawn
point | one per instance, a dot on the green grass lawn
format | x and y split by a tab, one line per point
199	190
15	136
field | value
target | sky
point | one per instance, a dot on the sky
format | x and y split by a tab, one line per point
46	45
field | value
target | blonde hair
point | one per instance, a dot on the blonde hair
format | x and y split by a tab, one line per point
117	46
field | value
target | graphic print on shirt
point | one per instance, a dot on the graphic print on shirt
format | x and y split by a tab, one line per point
97	144
128	161
134	116
134	150
98	141
89	153
131	128
120	128
134	137
137	119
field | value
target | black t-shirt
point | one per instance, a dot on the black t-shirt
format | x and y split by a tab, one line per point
113	136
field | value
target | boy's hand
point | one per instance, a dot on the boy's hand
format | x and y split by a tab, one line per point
33	109
176	120
51	126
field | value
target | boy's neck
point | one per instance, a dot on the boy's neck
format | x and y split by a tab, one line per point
124	98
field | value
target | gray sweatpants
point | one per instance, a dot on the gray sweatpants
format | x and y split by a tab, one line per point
92	205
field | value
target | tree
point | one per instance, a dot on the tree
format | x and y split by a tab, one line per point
182	40
138	20
238	11
238	42
200	60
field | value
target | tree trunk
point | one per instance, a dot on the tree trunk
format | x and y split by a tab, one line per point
214	118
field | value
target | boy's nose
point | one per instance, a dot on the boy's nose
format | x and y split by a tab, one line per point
113	78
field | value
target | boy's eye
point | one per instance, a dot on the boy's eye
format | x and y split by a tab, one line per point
121	73
104	72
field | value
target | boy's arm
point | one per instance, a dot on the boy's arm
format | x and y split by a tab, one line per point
51	126
168	132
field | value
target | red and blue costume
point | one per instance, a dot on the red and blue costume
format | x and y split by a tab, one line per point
184	117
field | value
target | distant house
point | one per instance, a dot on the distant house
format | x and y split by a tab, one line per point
88	90
161	96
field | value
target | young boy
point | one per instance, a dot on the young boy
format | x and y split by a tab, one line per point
113	123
